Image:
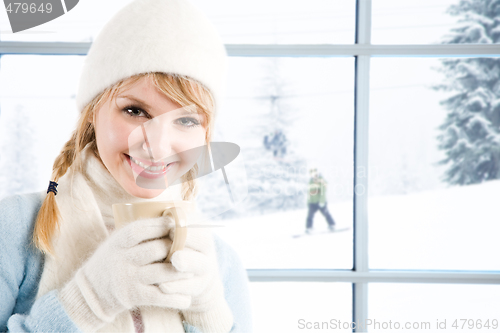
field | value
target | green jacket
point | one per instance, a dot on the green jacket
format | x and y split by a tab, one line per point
317	190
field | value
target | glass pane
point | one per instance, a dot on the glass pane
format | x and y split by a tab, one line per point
304	106
283	22
434	21
37	116
433	307
434	170
255	22
301	306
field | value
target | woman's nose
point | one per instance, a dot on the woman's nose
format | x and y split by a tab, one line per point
157	142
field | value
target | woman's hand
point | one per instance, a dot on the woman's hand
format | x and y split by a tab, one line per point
209	310
123	273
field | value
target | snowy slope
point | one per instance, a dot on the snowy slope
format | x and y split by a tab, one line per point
454	228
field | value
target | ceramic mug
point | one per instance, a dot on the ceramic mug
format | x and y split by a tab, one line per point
179	210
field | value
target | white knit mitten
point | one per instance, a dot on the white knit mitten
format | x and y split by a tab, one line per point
124	273
209	310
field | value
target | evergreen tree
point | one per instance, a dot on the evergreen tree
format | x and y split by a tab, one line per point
470	134
275	183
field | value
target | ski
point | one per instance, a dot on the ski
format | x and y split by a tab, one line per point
321	232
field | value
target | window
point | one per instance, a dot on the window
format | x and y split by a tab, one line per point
361	91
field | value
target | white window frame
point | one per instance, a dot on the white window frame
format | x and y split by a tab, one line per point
362	50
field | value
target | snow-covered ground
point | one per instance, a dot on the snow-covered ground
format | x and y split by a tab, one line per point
454	228
267	241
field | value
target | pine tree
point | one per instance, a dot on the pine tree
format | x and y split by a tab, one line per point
470	134
274	184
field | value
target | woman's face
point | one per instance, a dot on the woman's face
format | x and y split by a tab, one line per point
144	139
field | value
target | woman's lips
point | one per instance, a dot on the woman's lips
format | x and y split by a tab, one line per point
151	174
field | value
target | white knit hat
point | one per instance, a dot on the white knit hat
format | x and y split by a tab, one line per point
170	36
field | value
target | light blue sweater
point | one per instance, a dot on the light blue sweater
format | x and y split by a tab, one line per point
21	266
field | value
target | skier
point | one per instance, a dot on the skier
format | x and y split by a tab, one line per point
316	200
276	142
267	141
280	143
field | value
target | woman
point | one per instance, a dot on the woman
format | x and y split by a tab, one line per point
156	62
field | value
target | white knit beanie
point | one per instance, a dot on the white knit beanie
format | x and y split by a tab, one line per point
170	36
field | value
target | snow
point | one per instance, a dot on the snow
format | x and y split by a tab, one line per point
267	241
476	103
446	229
478	120
453	228
481	19
469	69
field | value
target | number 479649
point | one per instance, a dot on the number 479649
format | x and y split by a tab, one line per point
26	7
475	324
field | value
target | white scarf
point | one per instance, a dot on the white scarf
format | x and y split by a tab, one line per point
84	201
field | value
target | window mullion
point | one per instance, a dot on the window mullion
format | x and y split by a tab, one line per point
283	50
361	94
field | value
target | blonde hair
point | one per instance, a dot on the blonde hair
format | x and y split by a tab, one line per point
180	89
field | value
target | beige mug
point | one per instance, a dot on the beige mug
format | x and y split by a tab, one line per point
180	211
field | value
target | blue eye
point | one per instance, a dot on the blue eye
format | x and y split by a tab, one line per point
188	122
